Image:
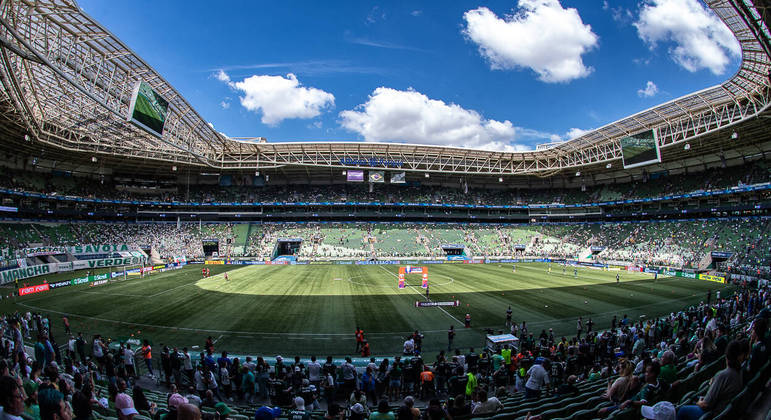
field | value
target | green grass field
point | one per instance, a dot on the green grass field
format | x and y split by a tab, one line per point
314	309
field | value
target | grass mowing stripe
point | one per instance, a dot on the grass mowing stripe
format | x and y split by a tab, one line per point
261	306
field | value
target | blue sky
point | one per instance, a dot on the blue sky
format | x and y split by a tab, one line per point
499	75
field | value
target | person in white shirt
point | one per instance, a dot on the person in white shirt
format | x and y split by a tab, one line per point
187	364
128	361
314	372
71	347
486	405
536	377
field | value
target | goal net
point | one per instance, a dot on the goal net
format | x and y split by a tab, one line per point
404	271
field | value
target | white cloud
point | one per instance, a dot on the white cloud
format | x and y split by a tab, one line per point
542	36
701	40
279	98
222	76
225	105
574	133
412	117
650	90
416	13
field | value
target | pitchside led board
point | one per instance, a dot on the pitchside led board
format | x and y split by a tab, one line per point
148	109
640	149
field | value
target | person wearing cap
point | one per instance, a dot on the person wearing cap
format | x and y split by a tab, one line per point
125	407
358	412
267	413
174	402
663	410
222	410
299	412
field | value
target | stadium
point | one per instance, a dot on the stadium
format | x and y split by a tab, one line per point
641	245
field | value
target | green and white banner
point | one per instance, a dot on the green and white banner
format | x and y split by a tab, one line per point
12	275
106	262
97	249
8	276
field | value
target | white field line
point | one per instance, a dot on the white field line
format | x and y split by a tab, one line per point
421	294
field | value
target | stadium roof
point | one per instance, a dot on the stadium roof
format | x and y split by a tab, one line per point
68	83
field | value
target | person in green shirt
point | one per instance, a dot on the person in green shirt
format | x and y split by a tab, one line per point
498	360
506	353
471	385
668	372
383	412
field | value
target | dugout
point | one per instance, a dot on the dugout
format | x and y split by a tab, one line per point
286	248
455	252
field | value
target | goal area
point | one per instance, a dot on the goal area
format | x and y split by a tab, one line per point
405	270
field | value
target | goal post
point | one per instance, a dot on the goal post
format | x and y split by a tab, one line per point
403	271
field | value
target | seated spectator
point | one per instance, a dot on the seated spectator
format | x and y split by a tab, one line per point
652	391
222	410
188	412
125	407
435	411
668	372
663	410
11	398
358	412
408	411
141	403
568	388
268	413
486	405
298	411
618	391
725	385
457	406
383	412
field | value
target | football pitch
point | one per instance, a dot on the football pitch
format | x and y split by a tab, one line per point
314	309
